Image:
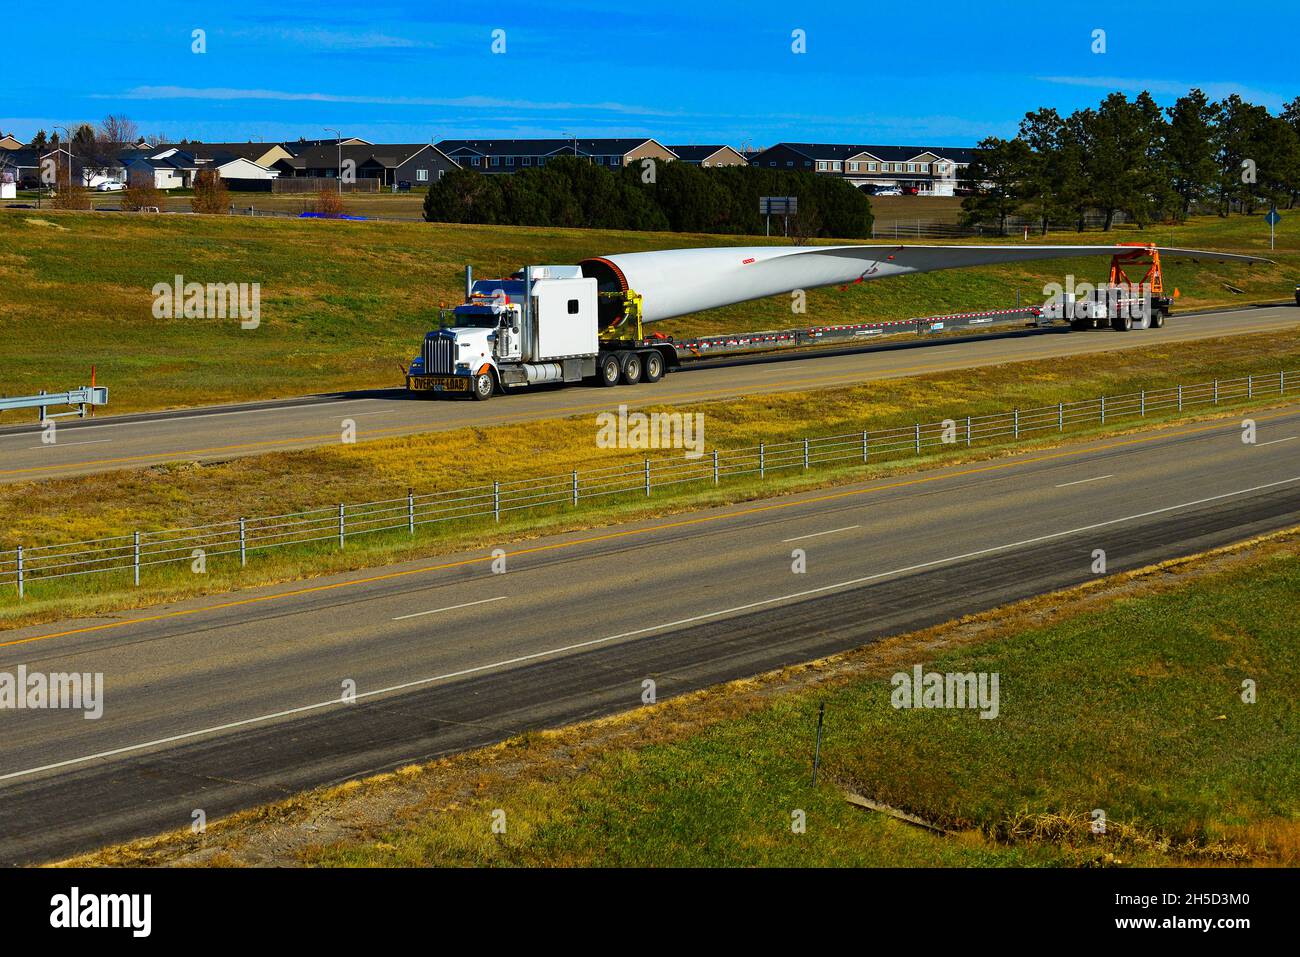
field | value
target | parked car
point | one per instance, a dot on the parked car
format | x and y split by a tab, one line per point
110	186
889	191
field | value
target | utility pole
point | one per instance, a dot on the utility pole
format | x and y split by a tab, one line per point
339	141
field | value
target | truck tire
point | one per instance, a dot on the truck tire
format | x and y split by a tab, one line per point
1122	323
653	364
609	370
1080	325
632	368
1157	317
484	387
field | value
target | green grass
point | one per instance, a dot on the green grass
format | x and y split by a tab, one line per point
185	494
344	305
1135	709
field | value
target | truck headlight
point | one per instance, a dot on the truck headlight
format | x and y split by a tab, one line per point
462	368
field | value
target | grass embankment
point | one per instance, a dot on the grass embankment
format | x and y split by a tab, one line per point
188	494
1125	696
344	305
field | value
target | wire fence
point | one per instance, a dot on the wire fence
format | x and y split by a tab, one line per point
131	555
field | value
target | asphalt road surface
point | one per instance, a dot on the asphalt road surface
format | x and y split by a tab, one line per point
213	434
226	702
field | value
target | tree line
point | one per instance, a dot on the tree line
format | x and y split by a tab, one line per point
666	196
1153	164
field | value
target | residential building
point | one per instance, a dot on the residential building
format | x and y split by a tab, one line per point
10	142
510	156
391	163
715	155
934	171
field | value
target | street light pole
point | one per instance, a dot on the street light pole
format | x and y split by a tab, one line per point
339	173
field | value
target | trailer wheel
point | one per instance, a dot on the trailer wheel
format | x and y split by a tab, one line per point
484	387
653	364
1080	325
1122	322
632	368
1157	317
610	369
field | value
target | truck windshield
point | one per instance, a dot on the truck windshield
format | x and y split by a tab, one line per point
473	320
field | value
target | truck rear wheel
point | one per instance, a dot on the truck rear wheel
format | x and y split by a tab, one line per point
631	368
1079	325
1122	322
653	363
1157	317
483	386
610	369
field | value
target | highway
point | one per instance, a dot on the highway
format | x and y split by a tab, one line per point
214	434
225	702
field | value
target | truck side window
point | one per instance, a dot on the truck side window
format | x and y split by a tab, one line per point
573	307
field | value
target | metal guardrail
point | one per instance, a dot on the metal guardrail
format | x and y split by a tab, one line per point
131	554
77	398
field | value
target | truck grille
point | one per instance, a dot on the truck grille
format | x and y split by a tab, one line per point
439	355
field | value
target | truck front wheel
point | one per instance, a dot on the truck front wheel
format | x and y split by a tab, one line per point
483	386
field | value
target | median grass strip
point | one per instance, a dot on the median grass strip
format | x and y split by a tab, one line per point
189	494
1124	696
345	305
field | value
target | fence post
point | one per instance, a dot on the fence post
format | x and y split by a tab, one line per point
1142	404
805	452
342	526
1250	387
496	501
1281	382
715	466
1060	417
918	438
1103	410
1180	397
968	431
575	487
410	511
762	460
20	571
243	545
136	549
1016	423
1216	391
864	445
647	478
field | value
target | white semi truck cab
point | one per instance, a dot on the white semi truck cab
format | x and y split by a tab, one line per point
544	324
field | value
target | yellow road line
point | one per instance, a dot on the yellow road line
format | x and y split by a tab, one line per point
610	536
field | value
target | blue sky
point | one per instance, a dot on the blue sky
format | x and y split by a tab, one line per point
701	72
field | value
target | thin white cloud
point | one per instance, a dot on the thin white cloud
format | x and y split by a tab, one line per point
337	39
1215	90
468	102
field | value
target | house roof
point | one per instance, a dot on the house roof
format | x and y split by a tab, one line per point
617	146
387	155
697	154
298	146
223	151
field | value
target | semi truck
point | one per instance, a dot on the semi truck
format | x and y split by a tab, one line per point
587	322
